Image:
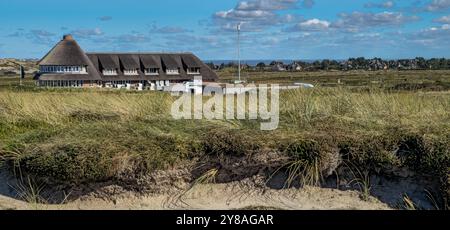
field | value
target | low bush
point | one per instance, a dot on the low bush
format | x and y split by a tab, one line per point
230	142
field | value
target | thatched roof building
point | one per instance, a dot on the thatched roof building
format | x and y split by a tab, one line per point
68	62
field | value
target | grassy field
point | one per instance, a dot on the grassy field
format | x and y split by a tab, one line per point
437	79
84	136
416	79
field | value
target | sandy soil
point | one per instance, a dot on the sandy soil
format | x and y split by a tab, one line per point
217	196
250	192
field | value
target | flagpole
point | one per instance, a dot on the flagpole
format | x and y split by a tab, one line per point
239	50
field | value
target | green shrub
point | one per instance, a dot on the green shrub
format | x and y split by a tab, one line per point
310	159
298	149
69	163
93	160
371	152
230	142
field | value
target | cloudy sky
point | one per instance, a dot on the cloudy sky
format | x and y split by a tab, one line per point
271	29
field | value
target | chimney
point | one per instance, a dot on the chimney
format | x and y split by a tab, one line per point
68	37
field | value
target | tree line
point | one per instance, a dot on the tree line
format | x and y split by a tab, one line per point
360	63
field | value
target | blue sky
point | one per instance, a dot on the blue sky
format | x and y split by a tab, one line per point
271	29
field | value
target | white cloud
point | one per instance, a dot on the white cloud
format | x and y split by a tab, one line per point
41	36
383	5
438	5
131	38
311	25
434	36
315	22
87	33
255	15
443	19
37	36
267	5
359	20
244	14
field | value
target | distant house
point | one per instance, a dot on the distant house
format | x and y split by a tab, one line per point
295	66
278	67
67	65
245	66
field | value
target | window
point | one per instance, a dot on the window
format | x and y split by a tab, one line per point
130	72
172	71
194	70
151	71
109	72
63	69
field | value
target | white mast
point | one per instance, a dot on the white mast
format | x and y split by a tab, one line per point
239	50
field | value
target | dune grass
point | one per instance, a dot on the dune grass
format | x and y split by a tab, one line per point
83	136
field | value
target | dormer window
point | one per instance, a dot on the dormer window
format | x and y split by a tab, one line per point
130	72
173	71
109	72
151	71
193	70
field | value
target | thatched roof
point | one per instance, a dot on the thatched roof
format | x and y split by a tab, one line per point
150	61
129	61
190	61
108	62
169	61
67	52
140	61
